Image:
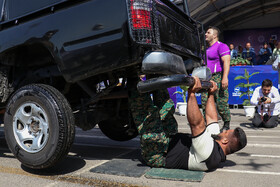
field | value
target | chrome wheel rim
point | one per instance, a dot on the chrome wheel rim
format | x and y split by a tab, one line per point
31	127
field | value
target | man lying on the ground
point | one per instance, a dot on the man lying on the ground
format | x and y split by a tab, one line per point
203	150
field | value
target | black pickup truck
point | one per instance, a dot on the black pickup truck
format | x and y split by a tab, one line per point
66	63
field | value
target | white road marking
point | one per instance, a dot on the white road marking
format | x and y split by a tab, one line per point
249	172
257	142
53	184
246	130
264	145
265	156
86	169
261	130
273	137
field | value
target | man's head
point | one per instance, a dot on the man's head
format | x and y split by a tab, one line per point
248	45
232	140
266	87
212	34
265	45
231	46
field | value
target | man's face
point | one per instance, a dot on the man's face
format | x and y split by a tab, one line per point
265	46
226	138
209	35
226	134
266	90
231	46
248	46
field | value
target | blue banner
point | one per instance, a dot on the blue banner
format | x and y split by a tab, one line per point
265	72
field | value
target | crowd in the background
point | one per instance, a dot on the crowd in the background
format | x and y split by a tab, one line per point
269	51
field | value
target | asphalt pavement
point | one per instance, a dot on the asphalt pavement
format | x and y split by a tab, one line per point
258	164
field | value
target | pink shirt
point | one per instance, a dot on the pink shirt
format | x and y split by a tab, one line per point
214	54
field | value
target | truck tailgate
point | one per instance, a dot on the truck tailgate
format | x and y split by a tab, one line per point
178	33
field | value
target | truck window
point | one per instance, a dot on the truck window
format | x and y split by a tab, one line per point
18	8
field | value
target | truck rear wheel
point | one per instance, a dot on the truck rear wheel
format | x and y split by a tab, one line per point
118	129
39	126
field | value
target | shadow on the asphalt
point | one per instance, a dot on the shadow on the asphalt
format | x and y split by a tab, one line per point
248	125
257	166
134	156
73	163
237	114
68	165
252	163
227	163
98	152
105	153
243	154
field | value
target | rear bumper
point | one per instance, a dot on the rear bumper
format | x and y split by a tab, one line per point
161	62
164	82
165	63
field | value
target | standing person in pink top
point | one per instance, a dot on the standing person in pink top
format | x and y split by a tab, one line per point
218	60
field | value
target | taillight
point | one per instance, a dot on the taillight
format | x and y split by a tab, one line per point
143	21
141	14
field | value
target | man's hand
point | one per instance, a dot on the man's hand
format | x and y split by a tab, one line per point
214	88
224	83
268	100
196	87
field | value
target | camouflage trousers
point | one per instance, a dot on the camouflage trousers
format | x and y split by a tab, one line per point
155	123
221	99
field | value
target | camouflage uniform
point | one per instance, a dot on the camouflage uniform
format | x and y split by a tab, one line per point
221	98
155	123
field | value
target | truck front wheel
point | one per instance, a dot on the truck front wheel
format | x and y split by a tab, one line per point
39	126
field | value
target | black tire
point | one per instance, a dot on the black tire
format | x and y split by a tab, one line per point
118	130
39	126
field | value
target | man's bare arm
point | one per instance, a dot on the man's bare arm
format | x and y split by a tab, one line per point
194	115
226	67
211	114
